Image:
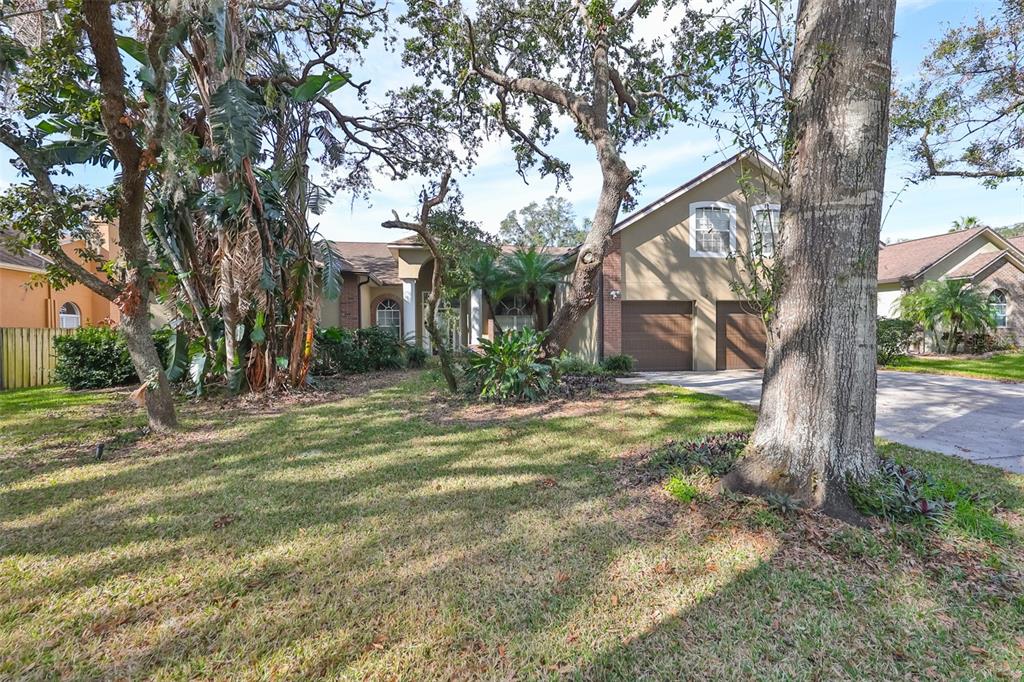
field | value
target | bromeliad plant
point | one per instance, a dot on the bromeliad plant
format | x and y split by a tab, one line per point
510	368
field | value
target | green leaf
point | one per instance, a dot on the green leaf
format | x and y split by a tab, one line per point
134	49
321	84
235	120
177	346
197	371
258	334
331	273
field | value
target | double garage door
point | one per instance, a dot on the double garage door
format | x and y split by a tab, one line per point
659	334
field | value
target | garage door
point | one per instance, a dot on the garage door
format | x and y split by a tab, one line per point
658	334
741	337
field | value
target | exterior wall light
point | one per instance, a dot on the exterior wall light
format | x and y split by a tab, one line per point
615	294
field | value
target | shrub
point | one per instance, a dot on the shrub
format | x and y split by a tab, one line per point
93	357
362	350
714	454
415	357
619	364
894	337
571	363
509	368
984	342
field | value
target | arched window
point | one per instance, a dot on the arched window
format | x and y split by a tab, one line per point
70	316
513	312
389	316
997	301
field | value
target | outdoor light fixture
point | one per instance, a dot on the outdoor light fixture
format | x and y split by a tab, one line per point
615	294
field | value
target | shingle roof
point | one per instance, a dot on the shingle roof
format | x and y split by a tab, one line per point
908	259
368	258
976	264
1017	241
25	259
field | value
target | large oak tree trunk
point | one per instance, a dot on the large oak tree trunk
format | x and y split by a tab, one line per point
582	290
815	432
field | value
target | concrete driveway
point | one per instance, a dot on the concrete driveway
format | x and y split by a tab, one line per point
979	420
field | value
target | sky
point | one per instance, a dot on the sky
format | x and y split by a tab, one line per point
494	188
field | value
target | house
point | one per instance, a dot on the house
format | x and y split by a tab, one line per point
27	300
666	293
989	262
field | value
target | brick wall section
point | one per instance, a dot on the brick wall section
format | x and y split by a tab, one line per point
611	274
348	302
1011	280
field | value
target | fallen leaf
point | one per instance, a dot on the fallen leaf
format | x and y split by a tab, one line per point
614	600
561	577
664	568
501	650
224	520
572	637
977	650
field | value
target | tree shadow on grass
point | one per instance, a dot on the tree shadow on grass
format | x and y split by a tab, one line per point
363	538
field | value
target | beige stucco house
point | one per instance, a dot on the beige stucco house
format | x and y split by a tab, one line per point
665	290
981	257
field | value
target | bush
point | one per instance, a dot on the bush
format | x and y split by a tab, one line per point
362	350
509	368
415	357
619	364
93	357
984	342
894	337
571	363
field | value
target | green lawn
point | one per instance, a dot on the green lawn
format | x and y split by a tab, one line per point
1005	367
394	535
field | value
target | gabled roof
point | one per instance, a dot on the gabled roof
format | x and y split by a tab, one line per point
690	184
975	265
907	260
26	260
373	259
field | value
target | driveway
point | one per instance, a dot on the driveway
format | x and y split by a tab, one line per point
979	420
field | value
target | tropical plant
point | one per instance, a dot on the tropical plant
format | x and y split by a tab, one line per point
491	278
534	274
510	368
947	309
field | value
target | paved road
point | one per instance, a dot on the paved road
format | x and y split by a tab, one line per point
973	418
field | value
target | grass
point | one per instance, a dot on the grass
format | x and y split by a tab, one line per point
1003	367
394	535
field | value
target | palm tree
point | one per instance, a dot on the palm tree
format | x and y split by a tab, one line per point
535	275
951	306
965	223
492	279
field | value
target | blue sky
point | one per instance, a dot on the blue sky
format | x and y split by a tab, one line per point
494	188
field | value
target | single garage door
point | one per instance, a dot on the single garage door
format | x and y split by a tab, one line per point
658	334
741	336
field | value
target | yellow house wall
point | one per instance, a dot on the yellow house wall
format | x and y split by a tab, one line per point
657	266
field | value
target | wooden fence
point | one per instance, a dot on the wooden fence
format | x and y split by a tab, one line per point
27	357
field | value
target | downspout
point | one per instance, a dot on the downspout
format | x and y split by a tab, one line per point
359	302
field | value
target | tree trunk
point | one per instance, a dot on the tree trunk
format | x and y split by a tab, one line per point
815	431
582	292
430	322
157	393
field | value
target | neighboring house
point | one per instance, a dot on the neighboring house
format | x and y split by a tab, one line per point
665	293
27	300
981	257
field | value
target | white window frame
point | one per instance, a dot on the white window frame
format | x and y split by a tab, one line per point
69	321
753	226
1005	306
694	207
397	310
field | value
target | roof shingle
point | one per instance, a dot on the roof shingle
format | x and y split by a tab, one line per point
25	259
907	259
368	258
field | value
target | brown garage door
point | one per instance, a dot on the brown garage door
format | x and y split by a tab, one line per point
658	334
741	336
